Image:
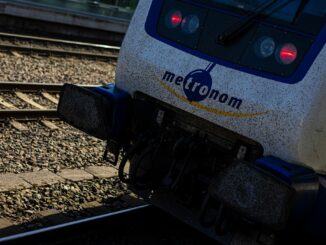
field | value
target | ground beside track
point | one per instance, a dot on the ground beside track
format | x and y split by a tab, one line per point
40	148
18	67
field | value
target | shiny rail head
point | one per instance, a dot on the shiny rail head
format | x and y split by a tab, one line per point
30	235
36	87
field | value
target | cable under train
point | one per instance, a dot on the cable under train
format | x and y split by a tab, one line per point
218	108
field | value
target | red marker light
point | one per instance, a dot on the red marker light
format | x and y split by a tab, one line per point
176	19
287	54
173	19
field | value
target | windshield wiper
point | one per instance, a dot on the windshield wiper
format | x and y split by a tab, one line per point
238	28
300	9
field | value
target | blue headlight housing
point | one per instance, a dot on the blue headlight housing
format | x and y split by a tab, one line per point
304	180
268	192
120	117
102	112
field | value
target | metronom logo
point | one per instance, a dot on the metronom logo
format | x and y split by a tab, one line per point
197	86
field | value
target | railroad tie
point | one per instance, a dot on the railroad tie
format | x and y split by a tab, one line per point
6	104
17	125
45	177
16	54
49	124
50	97
30	101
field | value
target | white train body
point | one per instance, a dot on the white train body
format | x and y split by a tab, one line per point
287	119
221	116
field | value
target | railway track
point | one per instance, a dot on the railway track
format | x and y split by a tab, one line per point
141	225
34	87
58	47
37	111
28	114
73	229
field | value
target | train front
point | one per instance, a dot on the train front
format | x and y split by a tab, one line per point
218	107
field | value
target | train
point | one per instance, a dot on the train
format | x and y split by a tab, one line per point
217	116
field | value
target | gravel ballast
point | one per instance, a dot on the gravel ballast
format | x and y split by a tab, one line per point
24	205
40	147
40	69
57	46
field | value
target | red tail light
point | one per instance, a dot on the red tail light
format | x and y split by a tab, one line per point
173	19
287	54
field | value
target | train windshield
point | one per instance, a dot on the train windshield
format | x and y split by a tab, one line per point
315	8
